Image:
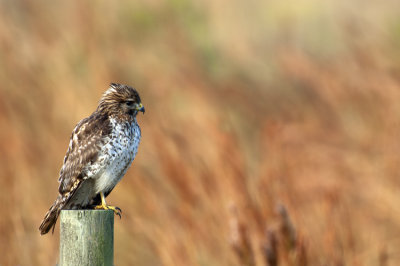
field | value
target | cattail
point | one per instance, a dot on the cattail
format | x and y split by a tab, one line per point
287	229
383	257
301	253
270	248
240	240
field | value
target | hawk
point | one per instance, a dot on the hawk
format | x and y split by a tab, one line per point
101	149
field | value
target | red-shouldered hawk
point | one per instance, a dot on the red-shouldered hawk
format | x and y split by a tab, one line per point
101	149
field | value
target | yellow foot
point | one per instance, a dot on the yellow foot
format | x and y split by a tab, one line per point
116	210
104	206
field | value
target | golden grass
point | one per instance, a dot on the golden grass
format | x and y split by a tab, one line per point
271	133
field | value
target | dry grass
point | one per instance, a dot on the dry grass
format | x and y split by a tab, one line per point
271	133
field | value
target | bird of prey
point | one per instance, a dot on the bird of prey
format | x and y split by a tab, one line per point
101	149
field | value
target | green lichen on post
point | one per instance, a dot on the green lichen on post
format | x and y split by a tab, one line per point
86	237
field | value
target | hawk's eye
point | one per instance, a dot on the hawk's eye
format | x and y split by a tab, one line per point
129	103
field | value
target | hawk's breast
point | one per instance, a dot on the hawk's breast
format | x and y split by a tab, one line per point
116	155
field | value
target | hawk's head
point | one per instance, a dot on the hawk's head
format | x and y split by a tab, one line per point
121	101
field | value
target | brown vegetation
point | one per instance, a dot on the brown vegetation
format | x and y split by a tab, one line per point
271	133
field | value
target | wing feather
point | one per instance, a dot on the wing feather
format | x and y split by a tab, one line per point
83	150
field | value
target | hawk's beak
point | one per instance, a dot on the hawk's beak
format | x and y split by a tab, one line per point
140	108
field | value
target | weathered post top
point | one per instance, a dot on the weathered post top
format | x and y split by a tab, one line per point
86	237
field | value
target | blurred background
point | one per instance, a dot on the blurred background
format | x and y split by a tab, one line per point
271	134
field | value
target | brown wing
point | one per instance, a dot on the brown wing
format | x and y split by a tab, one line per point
83	150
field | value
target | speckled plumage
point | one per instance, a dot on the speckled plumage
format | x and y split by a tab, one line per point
101	149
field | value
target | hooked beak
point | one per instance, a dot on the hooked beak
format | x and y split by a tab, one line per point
140	108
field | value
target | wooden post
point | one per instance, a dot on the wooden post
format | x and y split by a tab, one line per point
86	237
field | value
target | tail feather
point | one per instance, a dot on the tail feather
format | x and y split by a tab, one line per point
49	221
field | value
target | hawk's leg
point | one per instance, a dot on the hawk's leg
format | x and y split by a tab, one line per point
104	206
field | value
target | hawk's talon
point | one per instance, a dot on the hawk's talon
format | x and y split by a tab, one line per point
104	206
116	210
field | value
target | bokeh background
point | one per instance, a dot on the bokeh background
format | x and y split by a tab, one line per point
271	134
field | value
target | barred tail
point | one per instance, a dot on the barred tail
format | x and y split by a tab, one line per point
49	221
